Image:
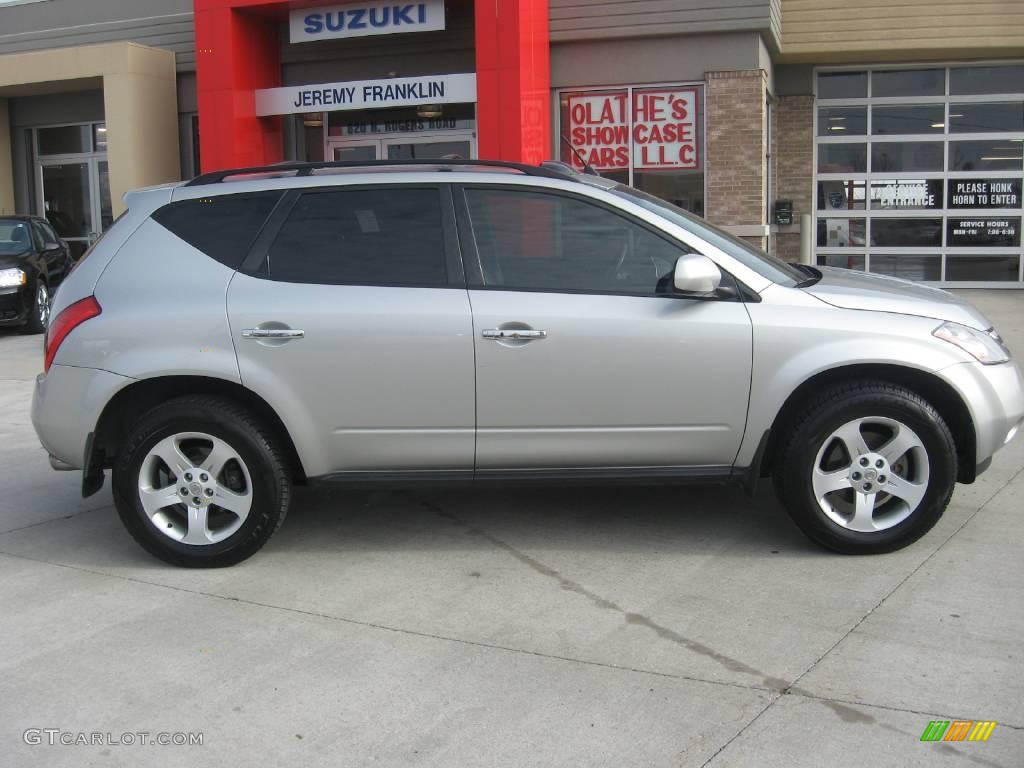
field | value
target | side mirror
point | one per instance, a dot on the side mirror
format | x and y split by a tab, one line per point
696	275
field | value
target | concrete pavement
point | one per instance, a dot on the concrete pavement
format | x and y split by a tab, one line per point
622	627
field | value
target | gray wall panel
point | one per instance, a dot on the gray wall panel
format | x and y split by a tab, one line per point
651	60
595	19
57	108
64	23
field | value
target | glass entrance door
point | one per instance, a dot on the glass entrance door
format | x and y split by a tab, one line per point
67	203
74	196
451	145
446	147
353	152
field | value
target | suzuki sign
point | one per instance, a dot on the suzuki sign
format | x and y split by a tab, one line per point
364	19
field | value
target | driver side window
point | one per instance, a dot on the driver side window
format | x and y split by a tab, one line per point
538	241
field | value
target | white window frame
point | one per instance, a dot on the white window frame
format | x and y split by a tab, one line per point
944	138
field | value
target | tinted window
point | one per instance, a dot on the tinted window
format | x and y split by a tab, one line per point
535	241
906	156
991	155
770	267
842	85
927	118
49	236
906	232
14	236
986	118
842	121
38	237
909	82
842	158
362	237
971	80
223	227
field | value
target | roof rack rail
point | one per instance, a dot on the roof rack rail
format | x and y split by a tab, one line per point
307	168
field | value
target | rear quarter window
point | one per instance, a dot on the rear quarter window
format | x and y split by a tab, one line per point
223	227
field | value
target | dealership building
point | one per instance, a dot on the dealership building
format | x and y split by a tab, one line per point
875	136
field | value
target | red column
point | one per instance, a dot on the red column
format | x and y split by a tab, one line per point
237	52
513	80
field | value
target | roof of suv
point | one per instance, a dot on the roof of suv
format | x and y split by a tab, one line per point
549	169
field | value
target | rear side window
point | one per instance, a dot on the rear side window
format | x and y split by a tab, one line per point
223	227
362	237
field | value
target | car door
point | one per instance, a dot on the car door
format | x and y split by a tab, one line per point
584	357
355	324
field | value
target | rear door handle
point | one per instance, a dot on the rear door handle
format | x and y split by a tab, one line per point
513	333
272	333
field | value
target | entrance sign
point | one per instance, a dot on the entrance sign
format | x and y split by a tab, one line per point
906	194
658	131
364	19
367	94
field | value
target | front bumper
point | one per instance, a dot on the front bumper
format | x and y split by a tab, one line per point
15	304
66	406
994	394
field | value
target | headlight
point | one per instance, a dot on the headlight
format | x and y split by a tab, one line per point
12	277
984	346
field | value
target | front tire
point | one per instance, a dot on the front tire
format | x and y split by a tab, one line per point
201	483
867	467
39	312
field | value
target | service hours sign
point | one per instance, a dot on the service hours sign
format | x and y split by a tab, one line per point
992	232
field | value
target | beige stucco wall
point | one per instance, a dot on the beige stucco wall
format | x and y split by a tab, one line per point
835	31
140	105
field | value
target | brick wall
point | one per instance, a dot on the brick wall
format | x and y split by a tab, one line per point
736	139
792	166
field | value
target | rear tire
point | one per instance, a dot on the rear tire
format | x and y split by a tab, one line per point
200	482
866	467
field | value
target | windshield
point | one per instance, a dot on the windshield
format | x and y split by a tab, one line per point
14	237
767	266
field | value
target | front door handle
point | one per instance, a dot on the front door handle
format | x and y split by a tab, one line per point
520	334
272	333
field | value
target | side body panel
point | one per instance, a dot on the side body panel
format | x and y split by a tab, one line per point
163	313
619	381
82	280
66	405
797	336
382	379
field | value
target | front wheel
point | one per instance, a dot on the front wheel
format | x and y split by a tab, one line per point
200	483
867	467
39	312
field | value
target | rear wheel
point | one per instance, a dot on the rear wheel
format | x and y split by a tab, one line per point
867	467
200	483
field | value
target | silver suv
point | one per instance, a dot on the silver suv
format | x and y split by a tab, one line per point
253	329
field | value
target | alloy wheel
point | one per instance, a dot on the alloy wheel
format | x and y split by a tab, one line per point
195	488
870	474
43	304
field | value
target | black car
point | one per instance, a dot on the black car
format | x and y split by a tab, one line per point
33	262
